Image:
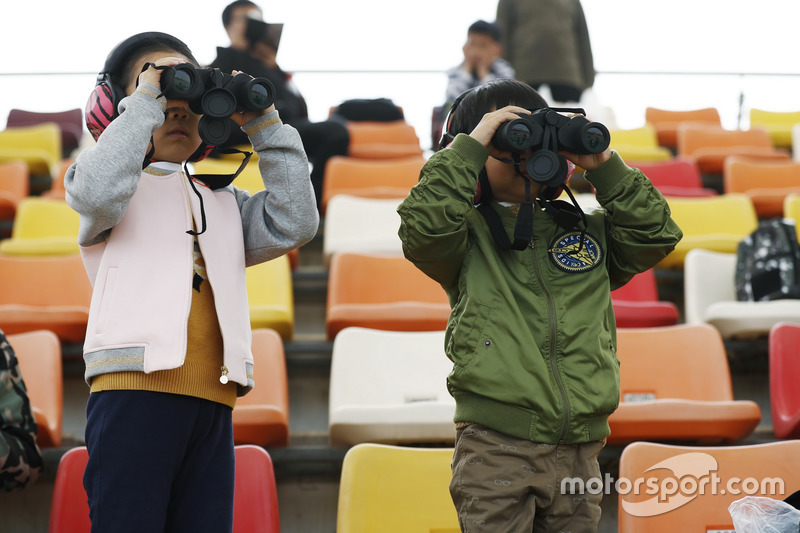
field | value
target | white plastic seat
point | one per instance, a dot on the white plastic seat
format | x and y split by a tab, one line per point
367	225
389	387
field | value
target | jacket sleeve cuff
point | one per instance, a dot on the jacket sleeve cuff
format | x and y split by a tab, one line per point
610	176
258	129
470	150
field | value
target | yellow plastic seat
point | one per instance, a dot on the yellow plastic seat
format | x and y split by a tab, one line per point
715	223
39	146
395	489
70	122
639	144
778	124
767	182
250	178
791	209
269	295
43	226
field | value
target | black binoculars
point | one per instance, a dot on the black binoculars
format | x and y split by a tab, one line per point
547	131
216	95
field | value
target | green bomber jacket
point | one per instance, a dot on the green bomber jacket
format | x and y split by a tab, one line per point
532	334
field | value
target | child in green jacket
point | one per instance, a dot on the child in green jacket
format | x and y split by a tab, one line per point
532	332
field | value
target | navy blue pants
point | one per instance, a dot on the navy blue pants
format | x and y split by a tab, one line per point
158	463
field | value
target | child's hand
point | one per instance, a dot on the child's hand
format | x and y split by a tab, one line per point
242	117
152	76
488	125
588	161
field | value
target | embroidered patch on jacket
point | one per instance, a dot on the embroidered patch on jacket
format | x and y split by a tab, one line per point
567	254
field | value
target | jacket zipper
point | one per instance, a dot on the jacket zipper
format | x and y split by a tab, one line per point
551	312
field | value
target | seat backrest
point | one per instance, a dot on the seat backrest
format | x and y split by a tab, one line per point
791	208
709	277
39	356
742	174
641	288
367	225
784	367
685	361
394	132
44	281
270	295
762	116
693	137
70	122
249	179
677	172
255	505
14	180
666	121
641	136
729	214
45	217
664	488
43	138
395	489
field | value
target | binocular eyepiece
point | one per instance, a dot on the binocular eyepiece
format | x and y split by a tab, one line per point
216	95
546	131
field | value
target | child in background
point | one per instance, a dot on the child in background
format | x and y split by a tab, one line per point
167	347
532	333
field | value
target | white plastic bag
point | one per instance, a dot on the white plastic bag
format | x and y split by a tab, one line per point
755	514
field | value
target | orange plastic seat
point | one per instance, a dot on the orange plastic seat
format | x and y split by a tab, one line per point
383	140
39	356
382	292
706	480
666	121
51	292
370	178
676	177
784	367
255	503
261	417
710	145
767	182
56	190
14	186
675	385
636	304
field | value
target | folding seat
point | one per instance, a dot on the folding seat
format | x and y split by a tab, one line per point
383	140
39	356
261	417
39	146
784	367
778	124
70	122
666	121
14	186
791	208
270	296
43	226
394	489
676	177
675	385
767	182
255	503
709	145
45	292
639	144
715	223
389	387
666	488
382	292
370	178
710	297
366	225
636	304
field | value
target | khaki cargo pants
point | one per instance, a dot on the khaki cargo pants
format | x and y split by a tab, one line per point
509	485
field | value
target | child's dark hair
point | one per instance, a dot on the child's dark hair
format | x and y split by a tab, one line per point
495	94
485	28
121	71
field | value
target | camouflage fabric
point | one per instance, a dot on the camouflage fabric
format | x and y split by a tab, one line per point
20	459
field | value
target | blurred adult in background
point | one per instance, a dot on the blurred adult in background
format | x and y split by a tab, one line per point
547	43
253	49
482	61
20	458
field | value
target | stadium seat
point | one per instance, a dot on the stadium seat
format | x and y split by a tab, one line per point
715	223
43	226
39	146
710	297
666	122
261	417
784	367
709	145
39	356
676	177
389	387
255	504
270	296
767	182
366	225
675	385
70	122
638	144
14	186
383	140
791	209
370	178
636	304
47	292
394	489
778	124
382	292
666	488
56	190
250	178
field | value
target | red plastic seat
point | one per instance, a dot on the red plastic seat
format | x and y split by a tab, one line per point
636	304
784	367
676	177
